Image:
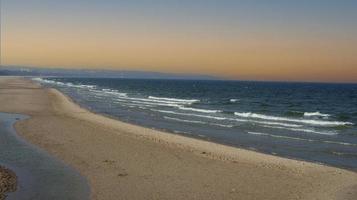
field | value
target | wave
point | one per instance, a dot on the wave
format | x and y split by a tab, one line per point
302	130
64	84
113	92
302	139
223	125
313	114
234	100
157	101
276	123
161	102
134	104
174	99
170	103
47	81
340	143
198	122
280	136
189	114
199	110
304	121
228	119
147	103
153	102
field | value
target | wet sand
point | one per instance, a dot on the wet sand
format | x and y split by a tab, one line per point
38	173
124	161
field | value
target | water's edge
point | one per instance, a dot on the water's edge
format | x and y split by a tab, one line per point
319	127
168	131
40	175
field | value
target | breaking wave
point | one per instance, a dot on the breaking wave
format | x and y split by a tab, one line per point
304	121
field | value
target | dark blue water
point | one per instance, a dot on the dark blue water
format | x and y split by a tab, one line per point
314	122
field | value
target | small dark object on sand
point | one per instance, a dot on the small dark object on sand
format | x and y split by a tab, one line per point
123	174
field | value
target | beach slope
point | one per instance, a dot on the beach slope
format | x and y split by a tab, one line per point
124	161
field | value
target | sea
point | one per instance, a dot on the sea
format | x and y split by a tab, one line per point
315	122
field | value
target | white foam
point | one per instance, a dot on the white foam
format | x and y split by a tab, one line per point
302	139
133	104
234	100
223	125
147	103
257	133
199	110
174	99
64	84
189	114
303	130
198	122
114	92
229	119
156	101
340	143
86	86
178	103
280	136
312	114
304	121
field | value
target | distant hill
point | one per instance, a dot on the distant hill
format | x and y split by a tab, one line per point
31	71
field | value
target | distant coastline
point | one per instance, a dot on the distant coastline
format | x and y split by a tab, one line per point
32	71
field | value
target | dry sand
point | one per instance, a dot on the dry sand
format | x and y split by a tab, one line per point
124	161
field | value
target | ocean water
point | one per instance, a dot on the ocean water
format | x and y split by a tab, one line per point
307	121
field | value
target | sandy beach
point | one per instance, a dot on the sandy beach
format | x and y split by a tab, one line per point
124	161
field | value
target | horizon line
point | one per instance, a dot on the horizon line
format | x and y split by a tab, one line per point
208	76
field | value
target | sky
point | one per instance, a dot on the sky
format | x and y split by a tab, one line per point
277	40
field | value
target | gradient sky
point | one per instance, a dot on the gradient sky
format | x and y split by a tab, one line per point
305	40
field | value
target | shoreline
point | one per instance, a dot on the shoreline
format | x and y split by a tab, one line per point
198	144
35	168
219	165
191	136
220	151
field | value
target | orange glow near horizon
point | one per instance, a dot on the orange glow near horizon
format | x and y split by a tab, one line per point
242	52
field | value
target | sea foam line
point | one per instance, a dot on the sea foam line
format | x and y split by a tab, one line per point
174	99
302	130
302	139
312	114
199	110
63	83
158	101
170	104
229	119
198	122
147	103
304	121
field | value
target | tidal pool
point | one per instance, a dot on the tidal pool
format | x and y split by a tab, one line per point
40	176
